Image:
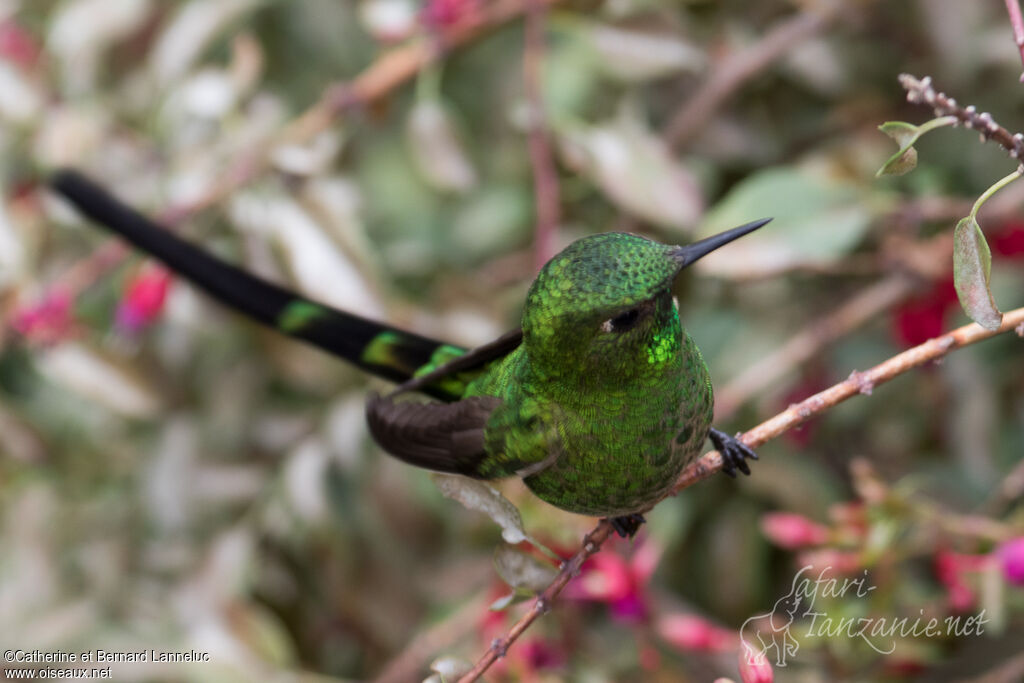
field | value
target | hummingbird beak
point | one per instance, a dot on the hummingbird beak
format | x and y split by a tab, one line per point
684	256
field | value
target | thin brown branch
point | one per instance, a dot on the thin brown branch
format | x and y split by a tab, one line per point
545	179
921	91
592	542
736	69
858	383
1017	22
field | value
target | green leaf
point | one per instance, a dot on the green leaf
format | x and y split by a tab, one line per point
906	134
905	158
972	265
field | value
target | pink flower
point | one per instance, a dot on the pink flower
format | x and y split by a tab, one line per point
143	299
1009	241
618	581
951	569
790	530
604	578
47	322
754	666
691	633
1011	557
922	317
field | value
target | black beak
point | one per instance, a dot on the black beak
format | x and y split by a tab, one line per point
684	256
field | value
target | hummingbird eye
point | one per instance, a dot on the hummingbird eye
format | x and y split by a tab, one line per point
622	322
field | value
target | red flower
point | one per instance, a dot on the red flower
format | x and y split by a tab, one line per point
143	299
790	530
47	322
922	317
1009	241
1011	558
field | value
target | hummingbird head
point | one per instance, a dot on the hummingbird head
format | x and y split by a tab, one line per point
605	302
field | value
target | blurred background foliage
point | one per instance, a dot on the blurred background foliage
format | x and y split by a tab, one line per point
172	477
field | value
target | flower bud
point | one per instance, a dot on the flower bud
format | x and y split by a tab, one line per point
143	299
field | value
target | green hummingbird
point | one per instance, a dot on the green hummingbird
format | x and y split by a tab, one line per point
598	402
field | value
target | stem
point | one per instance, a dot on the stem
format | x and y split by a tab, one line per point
1000	184
920	91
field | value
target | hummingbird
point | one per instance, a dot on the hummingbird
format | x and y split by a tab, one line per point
598	401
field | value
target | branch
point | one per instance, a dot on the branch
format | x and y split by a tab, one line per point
709	463
740	67
920	91
545	179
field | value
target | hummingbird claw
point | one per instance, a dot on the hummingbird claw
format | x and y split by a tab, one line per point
734	452
627	525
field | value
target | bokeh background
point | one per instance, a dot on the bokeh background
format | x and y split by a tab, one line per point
172	477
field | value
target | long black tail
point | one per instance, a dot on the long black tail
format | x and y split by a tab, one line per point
385	351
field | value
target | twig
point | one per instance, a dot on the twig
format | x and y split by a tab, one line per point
545	179
726	78
709	463
591	544
920	91
1017	22
860	308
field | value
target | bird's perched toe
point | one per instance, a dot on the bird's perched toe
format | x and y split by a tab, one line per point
627	525
734	452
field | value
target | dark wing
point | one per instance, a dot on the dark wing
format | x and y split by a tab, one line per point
461	369
446	437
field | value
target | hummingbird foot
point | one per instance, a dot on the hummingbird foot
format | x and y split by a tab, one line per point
734	452
627	525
